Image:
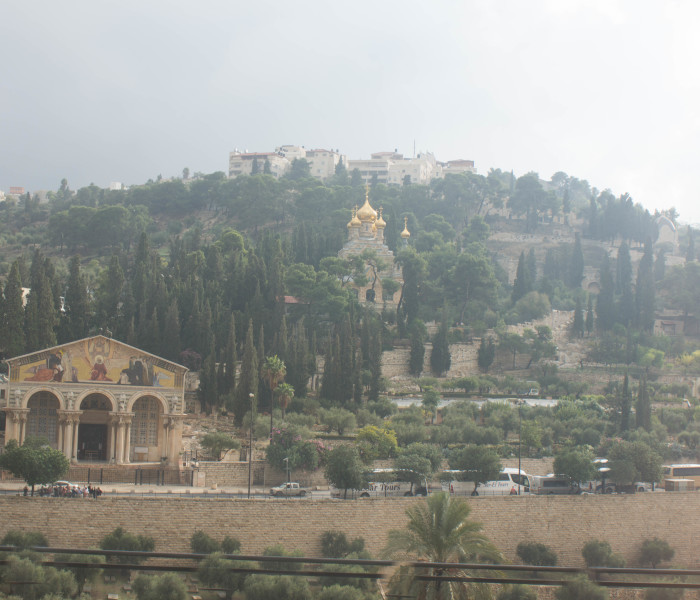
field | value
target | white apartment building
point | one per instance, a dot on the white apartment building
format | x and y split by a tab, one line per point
322	163
421	169
241	163
457	166
390	168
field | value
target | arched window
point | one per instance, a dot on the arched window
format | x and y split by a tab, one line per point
369	295
42	420
144	427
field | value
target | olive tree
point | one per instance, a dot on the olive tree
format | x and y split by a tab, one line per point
477	463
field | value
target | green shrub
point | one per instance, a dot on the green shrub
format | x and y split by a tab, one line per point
201	543
230	545
534	553
598	553
517	592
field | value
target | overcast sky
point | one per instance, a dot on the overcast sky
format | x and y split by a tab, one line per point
102	91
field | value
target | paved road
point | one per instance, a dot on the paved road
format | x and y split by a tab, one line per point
146	491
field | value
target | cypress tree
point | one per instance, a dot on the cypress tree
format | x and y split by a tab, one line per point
77	306
605	306
230	358
643	406
521	280
375	365
486	353
625	405
531	264
623	286
440	358
330	386
171	333
623	268
13	314
208	392
645	289
589	316
415	363
249	376
40	315
578	324
347	345
357	377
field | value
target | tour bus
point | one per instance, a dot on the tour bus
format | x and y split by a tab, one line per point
509	482
385	483
684	471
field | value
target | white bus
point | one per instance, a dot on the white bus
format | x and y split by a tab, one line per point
682	471
385	483
510	482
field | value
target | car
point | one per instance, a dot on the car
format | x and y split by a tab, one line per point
288	489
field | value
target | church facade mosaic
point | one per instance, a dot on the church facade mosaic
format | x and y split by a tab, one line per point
97	399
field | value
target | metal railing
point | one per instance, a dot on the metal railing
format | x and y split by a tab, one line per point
378	569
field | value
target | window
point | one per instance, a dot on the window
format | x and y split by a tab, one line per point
42	420
144	427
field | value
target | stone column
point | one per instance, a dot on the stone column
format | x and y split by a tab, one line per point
61	424
126	420
119	452
76	420
165	438
21	416
173	451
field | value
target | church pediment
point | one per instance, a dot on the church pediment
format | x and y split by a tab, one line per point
97	360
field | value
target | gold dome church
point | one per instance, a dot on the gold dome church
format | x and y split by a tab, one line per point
366	232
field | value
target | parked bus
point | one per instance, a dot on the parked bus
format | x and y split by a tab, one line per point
385	483
681	471
509	482
552	484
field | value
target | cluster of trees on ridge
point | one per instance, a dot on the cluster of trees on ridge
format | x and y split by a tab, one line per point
210	297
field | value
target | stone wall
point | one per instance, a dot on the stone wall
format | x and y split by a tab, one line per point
464	361
235	474
562	522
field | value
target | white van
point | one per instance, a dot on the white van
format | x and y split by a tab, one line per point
510	482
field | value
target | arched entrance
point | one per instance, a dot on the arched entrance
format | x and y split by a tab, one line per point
42	419
145	427
93	431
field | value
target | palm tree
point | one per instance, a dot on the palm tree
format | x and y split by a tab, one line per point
284	393
439	530
273	372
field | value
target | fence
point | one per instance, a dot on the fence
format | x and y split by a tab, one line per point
134	475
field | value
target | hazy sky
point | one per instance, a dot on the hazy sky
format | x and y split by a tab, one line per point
101	91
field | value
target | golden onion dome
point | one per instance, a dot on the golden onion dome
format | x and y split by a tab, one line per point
367	213
380	222
405	234
354	222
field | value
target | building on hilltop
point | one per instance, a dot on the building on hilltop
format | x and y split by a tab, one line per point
97	400
389	168
366	233
244	163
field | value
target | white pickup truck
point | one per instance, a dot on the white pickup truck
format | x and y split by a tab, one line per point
288	489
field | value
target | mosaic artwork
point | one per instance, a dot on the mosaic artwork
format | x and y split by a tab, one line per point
98	360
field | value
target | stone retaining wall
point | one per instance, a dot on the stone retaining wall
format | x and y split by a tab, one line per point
565	523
